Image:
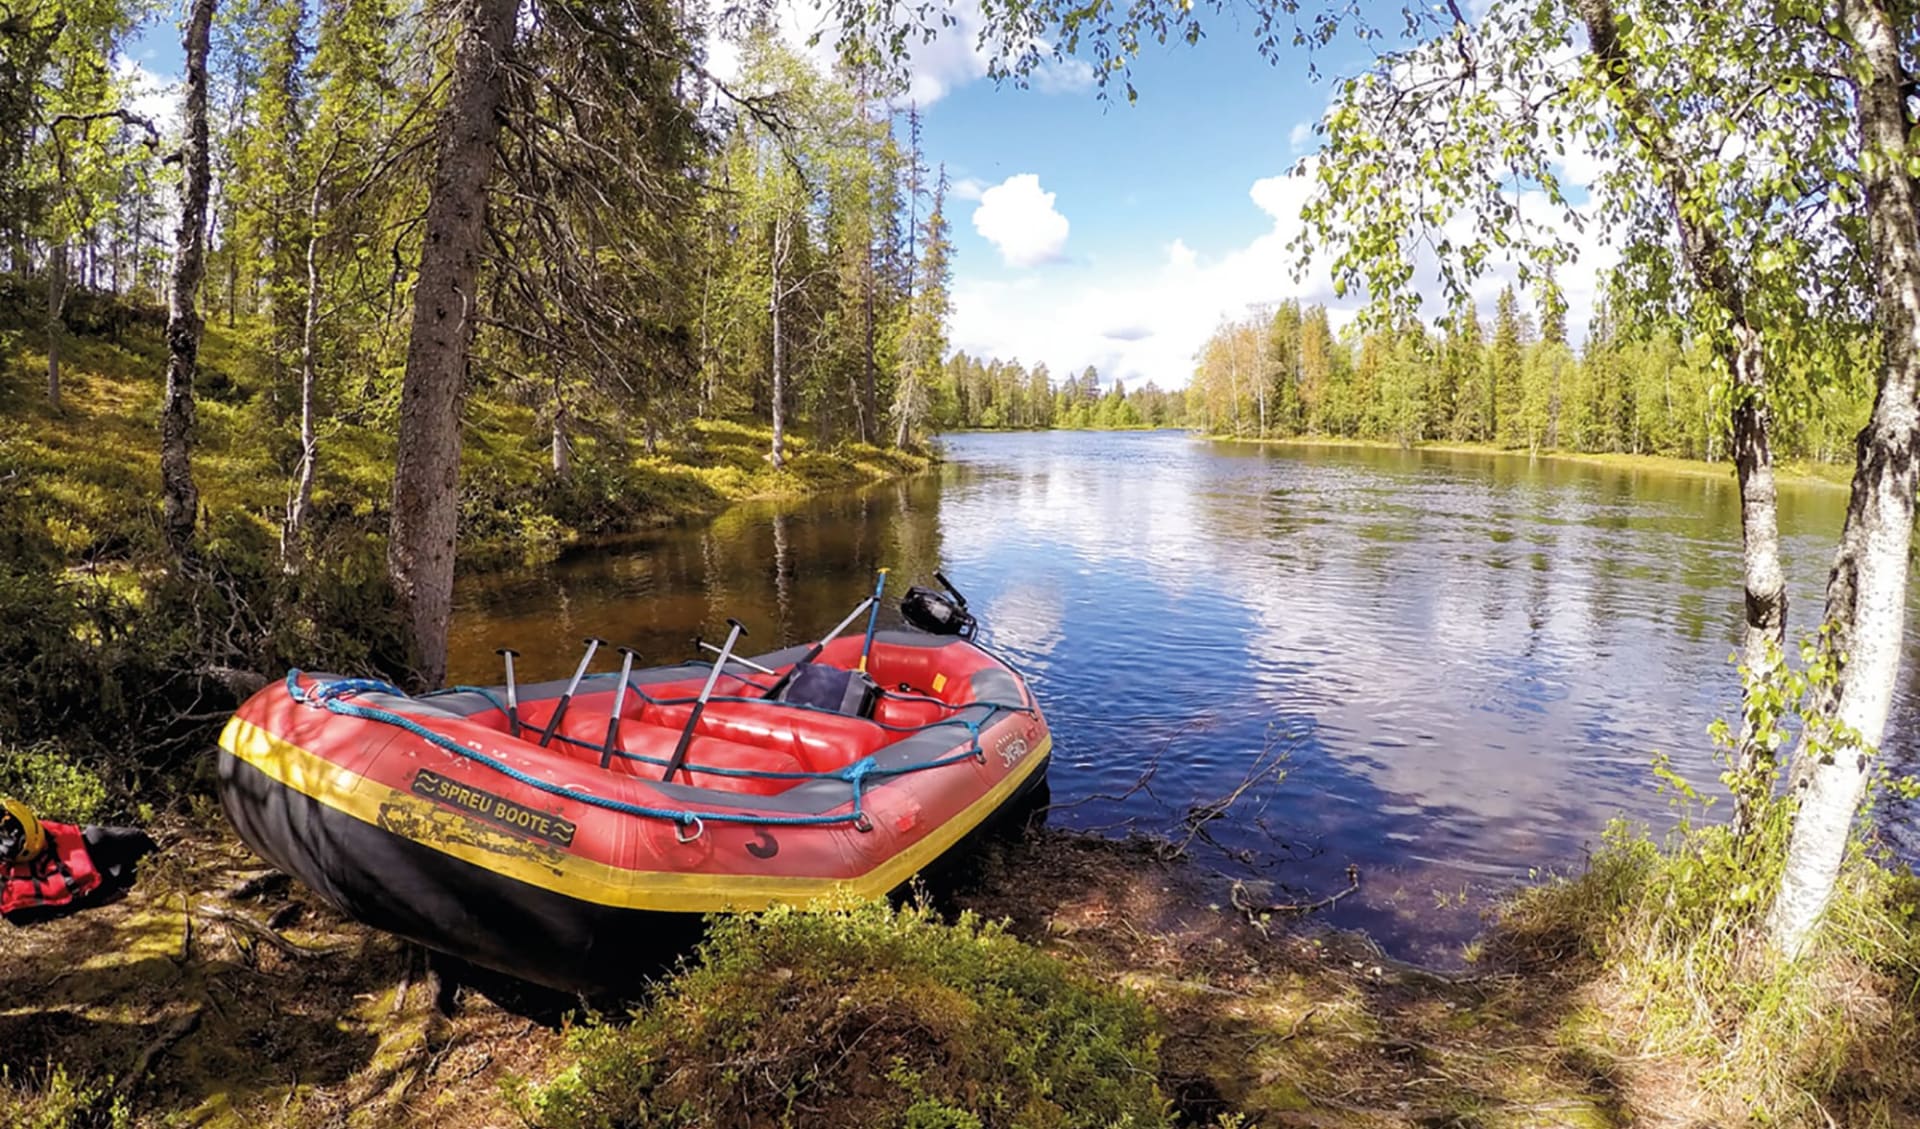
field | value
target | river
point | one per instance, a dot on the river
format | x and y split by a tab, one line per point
1462	664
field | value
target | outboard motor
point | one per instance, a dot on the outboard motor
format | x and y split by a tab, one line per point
936	614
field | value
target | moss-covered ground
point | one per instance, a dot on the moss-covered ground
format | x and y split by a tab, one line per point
92	464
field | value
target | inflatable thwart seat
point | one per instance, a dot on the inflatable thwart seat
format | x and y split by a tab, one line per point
446	819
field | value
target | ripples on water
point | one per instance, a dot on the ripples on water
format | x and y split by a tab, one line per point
1468	659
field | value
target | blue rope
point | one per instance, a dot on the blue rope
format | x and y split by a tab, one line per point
330	695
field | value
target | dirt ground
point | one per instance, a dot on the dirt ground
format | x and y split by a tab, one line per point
203	1013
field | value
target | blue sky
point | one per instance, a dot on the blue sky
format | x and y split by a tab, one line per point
1099	232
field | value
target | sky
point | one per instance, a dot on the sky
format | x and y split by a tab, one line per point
1098	232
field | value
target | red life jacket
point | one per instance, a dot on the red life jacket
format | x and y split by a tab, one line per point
60	875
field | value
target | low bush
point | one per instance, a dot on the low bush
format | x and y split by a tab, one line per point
57	1101
51	784
865	1015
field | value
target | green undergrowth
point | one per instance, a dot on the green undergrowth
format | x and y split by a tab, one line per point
1678	990
91	466
51	784
50	1099
864	1015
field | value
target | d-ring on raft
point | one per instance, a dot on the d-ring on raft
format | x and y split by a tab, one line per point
429	818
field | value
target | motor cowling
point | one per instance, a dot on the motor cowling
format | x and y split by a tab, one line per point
937	614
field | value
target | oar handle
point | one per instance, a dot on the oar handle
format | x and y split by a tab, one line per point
619	703
594	643
737	629
513	692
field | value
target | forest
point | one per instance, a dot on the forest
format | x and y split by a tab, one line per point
1516	382
997	394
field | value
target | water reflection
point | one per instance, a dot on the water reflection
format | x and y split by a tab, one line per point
1468	658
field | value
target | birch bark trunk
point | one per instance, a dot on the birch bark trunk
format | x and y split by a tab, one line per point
1866	591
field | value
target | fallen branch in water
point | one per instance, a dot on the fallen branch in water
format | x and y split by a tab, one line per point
271	936
1141	783
1267	767
1238	897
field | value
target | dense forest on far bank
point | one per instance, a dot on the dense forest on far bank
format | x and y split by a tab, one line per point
1514	382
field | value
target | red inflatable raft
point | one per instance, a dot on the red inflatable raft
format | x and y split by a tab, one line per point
428	817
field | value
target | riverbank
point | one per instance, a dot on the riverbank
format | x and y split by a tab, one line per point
217	994
1798	472
91	467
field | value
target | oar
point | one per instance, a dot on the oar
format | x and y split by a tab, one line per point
873	618
748	663
699	707
619	701
817	648
513	693
553	723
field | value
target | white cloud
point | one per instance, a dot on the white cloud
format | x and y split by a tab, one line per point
1302	133
967	188
1063	76
1017	216
1147	323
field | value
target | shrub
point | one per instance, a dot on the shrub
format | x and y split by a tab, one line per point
51	784
865	1015
58	1103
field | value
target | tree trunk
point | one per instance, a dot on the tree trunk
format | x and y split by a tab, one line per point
1865	611
869	404
292	554
562	448
56	301
426	503
1744	359
1766	583
780	237
180	499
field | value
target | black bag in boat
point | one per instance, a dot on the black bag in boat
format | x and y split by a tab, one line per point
935	614
846	692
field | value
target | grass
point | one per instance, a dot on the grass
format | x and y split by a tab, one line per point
1670	986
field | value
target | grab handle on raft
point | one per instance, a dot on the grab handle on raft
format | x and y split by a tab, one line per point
814	653
513	692
619	703
686	735
559	711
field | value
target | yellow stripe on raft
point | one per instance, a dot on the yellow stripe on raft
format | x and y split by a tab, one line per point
590	880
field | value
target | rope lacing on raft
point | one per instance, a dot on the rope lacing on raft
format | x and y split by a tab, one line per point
331	697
